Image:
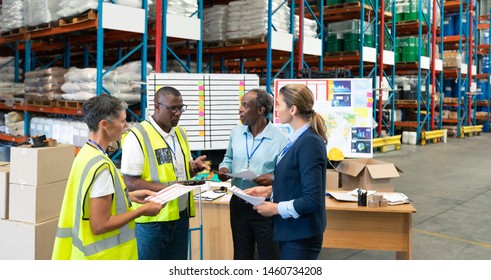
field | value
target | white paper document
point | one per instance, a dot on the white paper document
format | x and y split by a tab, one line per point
254	200
171	193
209	195
248	175
396	198
343	196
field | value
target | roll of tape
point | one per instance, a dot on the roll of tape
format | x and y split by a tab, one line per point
378	197
384	203
372	204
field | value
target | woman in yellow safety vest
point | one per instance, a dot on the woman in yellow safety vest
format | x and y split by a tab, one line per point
96	219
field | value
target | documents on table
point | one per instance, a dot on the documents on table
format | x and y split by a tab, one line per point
254	200
209	195
343	196
170	193
394	198
248	175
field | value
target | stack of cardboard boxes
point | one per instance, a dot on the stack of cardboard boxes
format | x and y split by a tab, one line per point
30	201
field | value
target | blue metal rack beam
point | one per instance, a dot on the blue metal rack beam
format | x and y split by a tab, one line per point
389	103
167	50
143	46
320	27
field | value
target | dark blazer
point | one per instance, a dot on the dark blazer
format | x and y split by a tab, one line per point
301	175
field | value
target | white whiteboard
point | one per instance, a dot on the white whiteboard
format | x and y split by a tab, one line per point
213	104
346	105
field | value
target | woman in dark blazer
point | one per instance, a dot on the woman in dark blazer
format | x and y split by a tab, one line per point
298	192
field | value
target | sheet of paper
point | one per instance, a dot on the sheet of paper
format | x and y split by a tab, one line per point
170	193
343	196
254	200
248	175
209	195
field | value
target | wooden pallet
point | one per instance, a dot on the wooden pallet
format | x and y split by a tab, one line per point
86	16
42	26
12	101
244	41
482	103
404	101
70	104
450	100
343	5
14	32
40	102
345	53
217	44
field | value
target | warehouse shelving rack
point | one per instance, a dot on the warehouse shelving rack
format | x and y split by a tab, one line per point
164	50
465	74
386	69
425	68
314	11
13	45
484	51
248	57
47	47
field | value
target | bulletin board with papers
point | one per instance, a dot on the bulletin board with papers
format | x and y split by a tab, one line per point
213	104
346	105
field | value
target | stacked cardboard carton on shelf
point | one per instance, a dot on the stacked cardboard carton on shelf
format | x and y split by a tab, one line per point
30	206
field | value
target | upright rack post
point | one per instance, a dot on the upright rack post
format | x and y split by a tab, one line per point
386	59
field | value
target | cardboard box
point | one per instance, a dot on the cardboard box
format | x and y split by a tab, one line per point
40	166
332	180
35	204
367	174
4	189
26	241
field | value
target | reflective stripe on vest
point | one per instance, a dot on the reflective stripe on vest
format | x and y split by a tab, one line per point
152	160
126	234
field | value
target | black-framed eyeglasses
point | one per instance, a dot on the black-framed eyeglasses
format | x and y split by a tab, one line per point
174	109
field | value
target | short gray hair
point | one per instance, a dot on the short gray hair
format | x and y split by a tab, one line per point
102	107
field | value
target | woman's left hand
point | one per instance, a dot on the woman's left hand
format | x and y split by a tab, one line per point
139	196
267	209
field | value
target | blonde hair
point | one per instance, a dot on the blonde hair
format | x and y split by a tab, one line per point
301	96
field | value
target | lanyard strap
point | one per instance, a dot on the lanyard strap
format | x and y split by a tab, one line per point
98	146
173	151
253	150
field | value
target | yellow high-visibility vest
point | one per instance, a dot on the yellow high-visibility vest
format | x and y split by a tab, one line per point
74	238
151	141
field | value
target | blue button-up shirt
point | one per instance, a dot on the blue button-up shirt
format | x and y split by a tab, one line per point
257	154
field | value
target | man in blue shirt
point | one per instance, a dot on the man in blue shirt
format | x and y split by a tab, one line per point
254	145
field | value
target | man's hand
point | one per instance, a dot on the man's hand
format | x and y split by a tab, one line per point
221	174
264	180
199	164
152	208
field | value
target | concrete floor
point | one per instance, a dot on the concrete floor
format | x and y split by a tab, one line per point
451	188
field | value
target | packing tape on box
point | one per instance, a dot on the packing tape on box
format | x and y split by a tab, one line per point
377	197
